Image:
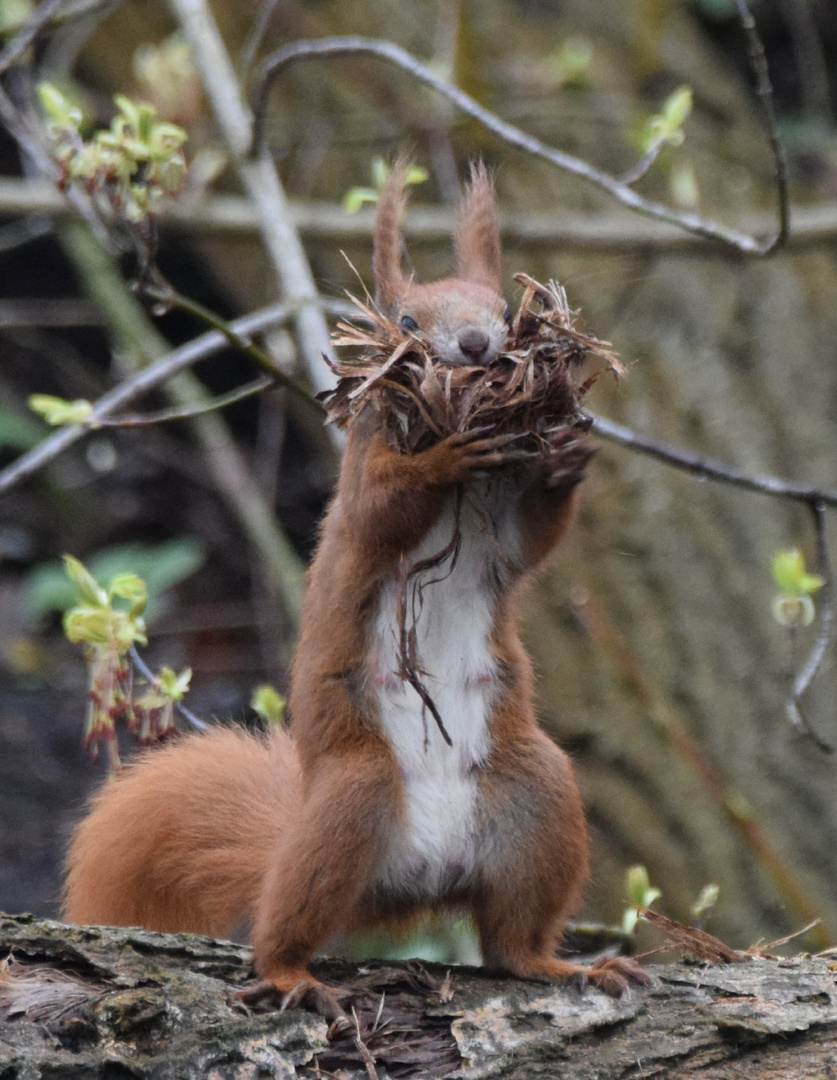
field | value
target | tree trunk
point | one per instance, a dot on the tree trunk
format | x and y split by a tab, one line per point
661	663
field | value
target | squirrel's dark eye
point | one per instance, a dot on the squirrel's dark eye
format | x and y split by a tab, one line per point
409	324
508	316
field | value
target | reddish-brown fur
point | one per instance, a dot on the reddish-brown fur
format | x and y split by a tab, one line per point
174	845
463	317
289	832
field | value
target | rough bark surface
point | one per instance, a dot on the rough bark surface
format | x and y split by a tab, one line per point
112	1004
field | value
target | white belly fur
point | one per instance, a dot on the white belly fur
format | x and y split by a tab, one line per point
435	852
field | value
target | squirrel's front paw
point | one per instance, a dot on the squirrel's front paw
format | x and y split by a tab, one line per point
568	457
471	451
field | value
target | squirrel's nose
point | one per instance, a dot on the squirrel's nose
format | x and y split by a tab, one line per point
473	342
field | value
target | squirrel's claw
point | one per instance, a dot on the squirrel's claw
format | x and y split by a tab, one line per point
310	994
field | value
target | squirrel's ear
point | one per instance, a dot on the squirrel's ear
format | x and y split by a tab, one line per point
390	284
477	237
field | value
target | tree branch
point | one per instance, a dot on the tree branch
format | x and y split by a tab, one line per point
711	469
816	499
133	388
327	221
764	90
170	297
825	633
102	1001
189	412
262	185
394	54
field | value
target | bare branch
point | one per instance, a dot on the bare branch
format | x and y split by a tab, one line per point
327	221
254	37
129	391
764	90
261	183
712	469
816	499
394	54
170	297
643	166
188	412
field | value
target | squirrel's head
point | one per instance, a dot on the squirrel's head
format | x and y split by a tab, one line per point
464	319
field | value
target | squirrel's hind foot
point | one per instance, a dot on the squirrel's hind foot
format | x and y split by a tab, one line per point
616	975
306	993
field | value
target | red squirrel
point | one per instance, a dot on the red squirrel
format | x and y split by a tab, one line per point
365	813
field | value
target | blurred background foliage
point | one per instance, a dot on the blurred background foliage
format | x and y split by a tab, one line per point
660	666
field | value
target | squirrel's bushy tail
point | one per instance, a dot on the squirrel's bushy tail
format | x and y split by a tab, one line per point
182	840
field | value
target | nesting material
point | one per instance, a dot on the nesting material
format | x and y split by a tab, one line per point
535	387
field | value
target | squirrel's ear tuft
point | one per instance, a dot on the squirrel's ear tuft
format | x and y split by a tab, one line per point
390	284
477	237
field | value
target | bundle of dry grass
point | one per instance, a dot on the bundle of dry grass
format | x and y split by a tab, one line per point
535	387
